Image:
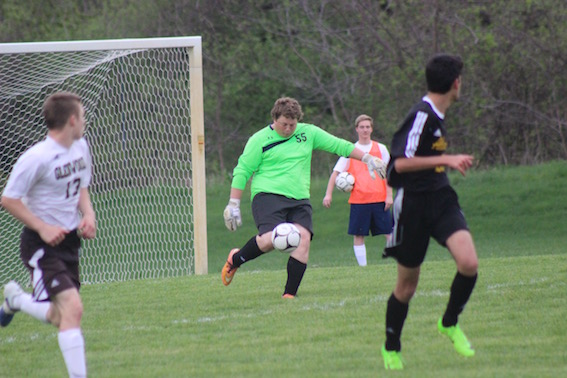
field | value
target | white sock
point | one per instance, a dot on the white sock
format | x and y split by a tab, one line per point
360	254
36	309
72	345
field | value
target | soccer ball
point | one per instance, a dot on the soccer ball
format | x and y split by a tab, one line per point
286	237
344	182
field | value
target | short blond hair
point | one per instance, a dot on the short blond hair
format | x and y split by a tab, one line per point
363	117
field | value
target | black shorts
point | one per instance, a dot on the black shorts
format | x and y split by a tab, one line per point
52	269
269	210
369	217
419	216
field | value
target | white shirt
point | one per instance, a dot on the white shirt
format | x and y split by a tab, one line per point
48	178
343	162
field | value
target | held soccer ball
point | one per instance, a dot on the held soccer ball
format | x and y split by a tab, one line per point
286	237
344	182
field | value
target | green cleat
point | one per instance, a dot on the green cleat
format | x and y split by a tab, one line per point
392	359
460	341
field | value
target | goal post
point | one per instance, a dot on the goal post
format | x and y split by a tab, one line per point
198	152
143	101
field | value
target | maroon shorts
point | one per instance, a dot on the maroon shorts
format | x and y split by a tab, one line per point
52	269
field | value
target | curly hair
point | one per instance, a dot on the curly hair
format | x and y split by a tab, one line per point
287	107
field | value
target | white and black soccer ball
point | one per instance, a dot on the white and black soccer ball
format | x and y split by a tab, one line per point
344	182
286	237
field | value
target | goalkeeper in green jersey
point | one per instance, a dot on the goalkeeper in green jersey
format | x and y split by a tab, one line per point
278	158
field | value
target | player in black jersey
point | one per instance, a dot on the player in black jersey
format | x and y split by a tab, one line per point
426	206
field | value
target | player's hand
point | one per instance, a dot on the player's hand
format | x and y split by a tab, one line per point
87	227
374	164
52	235
231	214
327	201
461	163
389	202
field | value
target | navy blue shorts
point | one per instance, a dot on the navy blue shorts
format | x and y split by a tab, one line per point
269	210
369	217
420	216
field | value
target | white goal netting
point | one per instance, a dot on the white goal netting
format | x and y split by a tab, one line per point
140	114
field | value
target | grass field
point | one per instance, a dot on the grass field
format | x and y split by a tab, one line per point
195	327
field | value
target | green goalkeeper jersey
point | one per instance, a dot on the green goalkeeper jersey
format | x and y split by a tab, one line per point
283	165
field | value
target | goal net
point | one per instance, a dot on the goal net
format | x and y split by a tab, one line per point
144	112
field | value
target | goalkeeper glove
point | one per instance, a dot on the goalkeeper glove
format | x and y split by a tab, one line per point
374	164
231	214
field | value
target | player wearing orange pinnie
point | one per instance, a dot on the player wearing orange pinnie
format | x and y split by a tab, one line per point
370	198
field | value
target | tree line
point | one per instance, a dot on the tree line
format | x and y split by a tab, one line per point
341	58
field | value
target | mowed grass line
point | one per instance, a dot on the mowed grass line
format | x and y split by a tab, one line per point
195	327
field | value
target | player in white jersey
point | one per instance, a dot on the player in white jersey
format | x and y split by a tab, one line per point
48	192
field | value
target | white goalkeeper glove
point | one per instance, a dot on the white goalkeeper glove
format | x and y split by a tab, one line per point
231	214
374	164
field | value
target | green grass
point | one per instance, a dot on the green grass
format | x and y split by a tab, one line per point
196	327
511	212
193	326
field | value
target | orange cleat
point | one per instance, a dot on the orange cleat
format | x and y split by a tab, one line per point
228	269
288	296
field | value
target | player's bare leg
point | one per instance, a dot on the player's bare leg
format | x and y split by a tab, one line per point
66	314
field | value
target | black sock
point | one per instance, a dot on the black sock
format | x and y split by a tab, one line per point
249	252
461	290
295	271
396	314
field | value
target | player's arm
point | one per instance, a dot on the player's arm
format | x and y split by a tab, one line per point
330	143
241	174
247	164
236	193
50	234
357	154
87	226
329	192
374	163
249	161
420	163
389	197
389	192
341	166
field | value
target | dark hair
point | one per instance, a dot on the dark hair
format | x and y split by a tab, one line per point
441	72
287	107
59	107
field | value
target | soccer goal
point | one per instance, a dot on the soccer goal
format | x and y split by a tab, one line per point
144	109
